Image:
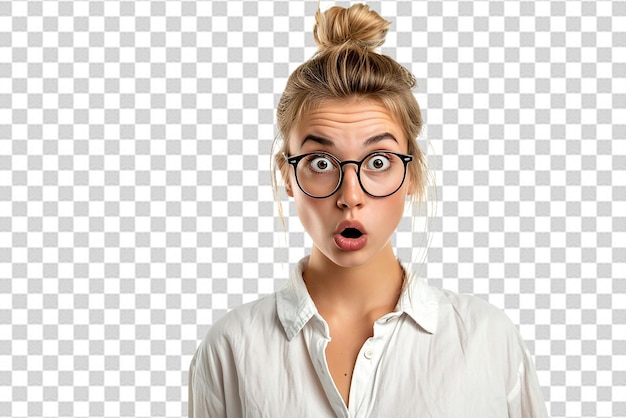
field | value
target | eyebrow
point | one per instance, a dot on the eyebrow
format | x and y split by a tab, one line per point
369	141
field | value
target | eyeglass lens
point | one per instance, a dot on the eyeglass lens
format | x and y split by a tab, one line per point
380	174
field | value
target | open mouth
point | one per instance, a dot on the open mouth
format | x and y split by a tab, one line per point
350	236
351	233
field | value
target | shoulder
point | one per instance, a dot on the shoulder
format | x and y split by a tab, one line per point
213	370
494	357
486	335
237	331
473	310
244	321
477	319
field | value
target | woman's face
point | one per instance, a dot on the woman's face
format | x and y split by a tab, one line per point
349	130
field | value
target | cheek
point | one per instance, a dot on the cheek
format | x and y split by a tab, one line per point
313	213
393	208
398	208
304	203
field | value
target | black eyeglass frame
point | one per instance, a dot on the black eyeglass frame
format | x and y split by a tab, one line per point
293	161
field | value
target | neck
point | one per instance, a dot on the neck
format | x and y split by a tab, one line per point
368	289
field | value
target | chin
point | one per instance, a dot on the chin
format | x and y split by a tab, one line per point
349	259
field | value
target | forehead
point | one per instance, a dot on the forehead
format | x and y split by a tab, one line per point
345	122
348	112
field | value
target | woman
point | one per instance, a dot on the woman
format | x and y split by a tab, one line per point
353	335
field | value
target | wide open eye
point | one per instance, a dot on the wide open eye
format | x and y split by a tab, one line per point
321	163
378	162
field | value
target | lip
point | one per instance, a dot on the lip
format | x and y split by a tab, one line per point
350	244
350	224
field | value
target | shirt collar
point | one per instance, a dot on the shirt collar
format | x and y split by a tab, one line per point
294	304
295	307
420	301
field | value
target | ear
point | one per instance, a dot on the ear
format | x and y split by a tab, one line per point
284	172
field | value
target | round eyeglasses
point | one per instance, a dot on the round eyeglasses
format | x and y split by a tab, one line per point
319	174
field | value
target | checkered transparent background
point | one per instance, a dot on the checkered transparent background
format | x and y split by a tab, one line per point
136	205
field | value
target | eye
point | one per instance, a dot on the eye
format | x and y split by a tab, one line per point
378	162
321	163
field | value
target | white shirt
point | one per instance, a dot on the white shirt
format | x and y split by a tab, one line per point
439	355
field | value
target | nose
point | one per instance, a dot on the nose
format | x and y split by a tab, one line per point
350	194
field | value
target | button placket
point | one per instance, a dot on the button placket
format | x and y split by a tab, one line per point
364	368
317	339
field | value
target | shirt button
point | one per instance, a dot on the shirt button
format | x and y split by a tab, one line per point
369	353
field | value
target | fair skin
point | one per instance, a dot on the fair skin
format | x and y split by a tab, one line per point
351	288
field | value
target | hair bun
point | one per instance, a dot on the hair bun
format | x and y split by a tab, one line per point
357	25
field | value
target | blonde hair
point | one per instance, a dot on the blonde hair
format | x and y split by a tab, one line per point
346	66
